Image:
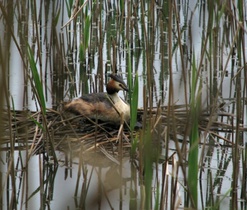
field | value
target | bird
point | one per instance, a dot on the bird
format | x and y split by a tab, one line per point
104	106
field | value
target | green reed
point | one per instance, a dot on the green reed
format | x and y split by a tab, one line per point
148	167
69	7
37	81
195	102
133	93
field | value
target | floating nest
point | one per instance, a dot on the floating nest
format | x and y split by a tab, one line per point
59	131
56	131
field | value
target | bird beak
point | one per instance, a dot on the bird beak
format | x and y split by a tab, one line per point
125	88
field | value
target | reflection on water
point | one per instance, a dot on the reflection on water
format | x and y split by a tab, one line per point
176	49
98	186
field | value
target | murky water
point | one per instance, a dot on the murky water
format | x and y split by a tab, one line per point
75	59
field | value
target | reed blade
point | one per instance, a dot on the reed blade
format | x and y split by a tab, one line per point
37	81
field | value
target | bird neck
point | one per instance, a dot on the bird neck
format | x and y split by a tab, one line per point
115	98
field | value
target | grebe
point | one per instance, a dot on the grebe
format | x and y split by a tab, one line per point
108	107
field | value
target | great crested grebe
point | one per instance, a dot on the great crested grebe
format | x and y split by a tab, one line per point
108	107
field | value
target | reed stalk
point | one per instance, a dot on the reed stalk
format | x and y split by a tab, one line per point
133	93
194	137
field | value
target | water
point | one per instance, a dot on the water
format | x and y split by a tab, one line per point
67	74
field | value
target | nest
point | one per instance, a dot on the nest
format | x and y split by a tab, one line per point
55	131
58	131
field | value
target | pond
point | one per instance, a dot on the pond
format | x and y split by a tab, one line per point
185	65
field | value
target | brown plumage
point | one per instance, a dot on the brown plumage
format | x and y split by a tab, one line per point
106	107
